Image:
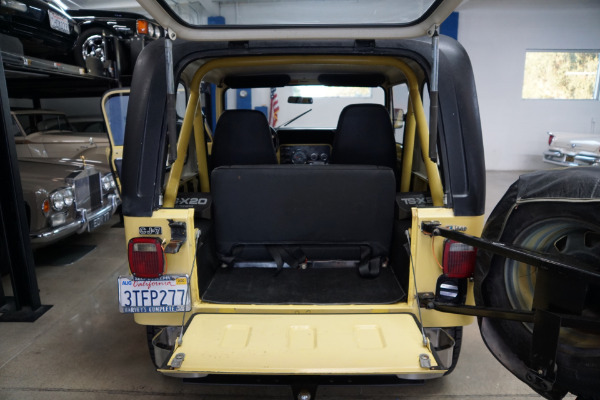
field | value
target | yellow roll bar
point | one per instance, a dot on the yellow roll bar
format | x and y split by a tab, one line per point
193	108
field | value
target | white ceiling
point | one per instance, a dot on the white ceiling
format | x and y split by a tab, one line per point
114	5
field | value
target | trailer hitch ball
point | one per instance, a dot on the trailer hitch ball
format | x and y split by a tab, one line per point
304	395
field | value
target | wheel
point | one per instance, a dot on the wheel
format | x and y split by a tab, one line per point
568	229
90	43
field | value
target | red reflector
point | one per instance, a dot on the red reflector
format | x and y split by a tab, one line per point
459	259
550	139
146	257
142	26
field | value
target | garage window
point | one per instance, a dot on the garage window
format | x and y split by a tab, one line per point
564	75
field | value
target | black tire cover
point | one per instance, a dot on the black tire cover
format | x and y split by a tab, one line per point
578	186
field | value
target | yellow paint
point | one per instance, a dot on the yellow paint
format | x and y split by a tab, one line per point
117	151
303	344
409	149
433	174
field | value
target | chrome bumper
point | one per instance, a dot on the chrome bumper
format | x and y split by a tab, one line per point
79	225
562	159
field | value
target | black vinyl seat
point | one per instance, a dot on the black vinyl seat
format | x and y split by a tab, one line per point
242	137
364	136
351	219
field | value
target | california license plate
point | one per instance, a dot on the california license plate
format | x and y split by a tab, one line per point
58	22
169	293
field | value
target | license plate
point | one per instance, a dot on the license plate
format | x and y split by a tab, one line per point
58	22
169	293
96	222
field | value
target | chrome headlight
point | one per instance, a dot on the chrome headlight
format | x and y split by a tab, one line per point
57	199
69	197
108	182
62	199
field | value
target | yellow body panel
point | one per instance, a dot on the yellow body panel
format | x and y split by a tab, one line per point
303	344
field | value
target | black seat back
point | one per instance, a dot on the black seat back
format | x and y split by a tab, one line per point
242	137
331	212
364	135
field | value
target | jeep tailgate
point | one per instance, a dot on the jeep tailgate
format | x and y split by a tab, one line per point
303	344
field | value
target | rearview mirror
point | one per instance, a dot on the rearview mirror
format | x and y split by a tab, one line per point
300	100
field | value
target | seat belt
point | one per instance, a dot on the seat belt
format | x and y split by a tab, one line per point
368	267
293	256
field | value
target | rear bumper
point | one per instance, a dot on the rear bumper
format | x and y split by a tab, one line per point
557	157
79	225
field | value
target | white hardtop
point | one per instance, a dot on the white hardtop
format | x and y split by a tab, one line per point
213	20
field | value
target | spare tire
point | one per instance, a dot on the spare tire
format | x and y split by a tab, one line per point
538	214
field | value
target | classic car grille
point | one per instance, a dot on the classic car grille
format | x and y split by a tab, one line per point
88	192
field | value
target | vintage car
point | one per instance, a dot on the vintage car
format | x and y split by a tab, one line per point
319	237
102	41
133	32
64	197
572	149
47	133
42	29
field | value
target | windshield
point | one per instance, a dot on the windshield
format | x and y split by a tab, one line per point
314	106
300	12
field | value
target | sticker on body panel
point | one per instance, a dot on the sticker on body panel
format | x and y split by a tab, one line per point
169	293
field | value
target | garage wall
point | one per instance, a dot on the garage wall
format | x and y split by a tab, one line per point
496	36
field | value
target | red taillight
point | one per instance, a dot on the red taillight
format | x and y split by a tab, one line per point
459	259
142	27
146	257
550	138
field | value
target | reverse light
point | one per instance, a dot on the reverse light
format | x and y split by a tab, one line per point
459	259
146	257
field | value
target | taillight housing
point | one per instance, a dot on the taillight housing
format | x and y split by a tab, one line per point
550	138
146	257
459	259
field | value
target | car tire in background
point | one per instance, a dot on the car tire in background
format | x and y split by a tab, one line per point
566	228
95	43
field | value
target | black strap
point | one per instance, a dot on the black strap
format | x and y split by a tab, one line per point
368	267
230	260
293	256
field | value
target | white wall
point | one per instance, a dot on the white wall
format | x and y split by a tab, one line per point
496	35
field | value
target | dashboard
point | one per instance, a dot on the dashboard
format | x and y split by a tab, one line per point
305	153
305	146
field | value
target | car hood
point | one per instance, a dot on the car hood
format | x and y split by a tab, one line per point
68	137
46	173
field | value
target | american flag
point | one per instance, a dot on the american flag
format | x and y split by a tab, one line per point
274	109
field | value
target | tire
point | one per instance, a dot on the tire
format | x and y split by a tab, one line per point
88	42
565	228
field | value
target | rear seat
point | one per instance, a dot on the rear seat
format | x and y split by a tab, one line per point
293	212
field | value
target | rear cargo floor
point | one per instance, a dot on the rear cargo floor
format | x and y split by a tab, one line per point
297	286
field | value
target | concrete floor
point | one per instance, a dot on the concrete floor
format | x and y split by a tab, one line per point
83	348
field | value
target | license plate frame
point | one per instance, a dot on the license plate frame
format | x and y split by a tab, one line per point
166	294
58	22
